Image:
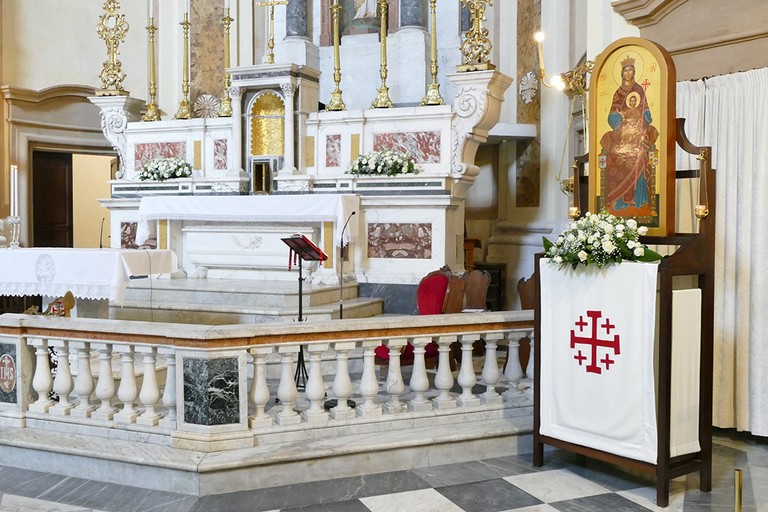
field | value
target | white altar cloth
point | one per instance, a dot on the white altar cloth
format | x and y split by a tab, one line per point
598	381
87	273
258	208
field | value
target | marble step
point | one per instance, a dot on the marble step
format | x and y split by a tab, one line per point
236	293
222	314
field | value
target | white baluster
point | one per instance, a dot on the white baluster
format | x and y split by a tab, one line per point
127	391
342	384
170	394
369	386
150	390
105	385
419	382
491	372
513	372
444	377
42	380
62	383
84	385
394	385
286	390
259	395
315	390
467	378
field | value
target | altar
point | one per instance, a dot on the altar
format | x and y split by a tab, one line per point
92	275
241	236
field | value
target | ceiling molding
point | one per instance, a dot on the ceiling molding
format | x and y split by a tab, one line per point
643	13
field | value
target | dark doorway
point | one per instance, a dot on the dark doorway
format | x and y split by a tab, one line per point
52	199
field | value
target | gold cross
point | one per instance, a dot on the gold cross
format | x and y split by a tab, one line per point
271	45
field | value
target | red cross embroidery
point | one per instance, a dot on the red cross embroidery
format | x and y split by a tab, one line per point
594	342
646	84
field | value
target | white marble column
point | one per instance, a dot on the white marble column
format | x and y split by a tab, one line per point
289	89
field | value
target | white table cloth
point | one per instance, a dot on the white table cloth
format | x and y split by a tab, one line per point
87	273
598	381
259	208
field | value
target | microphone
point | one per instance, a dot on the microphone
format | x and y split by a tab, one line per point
101	234
341	267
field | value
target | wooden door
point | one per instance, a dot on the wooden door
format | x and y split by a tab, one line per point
52	199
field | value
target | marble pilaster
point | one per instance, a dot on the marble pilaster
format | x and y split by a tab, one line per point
412	13
296	18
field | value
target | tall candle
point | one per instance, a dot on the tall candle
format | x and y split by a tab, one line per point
151	9
14	191
226	4
186	6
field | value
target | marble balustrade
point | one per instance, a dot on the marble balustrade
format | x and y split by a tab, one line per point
212	388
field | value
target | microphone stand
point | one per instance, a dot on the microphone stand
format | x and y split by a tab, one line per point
341	268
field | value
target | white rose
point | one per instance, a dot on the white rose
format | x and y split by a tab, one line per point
642	230
620	227
608	246
639	251
582	256
632	224
558	259
631	244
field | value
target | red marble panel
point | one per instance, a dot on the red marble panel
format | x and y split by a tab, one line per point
395	240
332	150
220	154
151	150
424	147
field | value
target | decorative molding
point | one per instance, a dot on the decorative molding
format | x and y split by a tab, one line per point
643	13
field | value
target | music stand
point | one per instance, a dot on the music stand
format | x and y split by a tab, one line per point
304	249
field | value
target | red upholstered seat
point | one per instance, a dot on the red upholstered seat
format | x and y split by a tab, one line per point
430	300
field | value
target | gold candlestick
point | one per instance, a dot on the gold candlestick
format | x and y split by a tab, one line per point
476	47
433	91
336	102
270	57
184	111
112	28
382	99
225	110
152	113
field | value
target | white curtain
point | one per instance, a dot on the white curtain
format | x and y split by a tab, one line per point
730	113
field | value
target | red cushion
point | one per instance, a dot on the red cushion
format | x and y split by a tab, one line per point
430	295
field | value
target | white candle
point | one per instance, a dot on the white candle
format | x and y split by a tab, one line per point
226	4
186	6
151	9
14	191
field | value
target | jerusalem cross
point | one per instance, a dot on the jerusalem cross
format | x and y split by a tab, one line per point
594	342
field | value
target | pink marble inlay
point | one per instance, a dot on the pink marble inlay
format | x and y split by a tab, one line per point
390	240
220	154
332	150
151	150
423	146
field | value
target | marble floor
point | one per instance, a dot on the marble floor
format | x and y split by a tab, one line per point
567	482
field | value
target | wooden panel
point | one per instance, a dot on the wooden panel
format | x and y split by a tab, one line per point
52	199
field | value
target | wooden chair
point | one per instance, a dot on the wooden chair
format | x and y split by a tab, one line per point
476	290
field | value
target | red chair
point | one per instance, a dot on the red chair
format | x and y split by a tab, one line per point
431	295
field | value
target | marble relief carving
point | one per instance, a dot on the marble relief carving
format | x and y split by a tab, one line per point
332	150
8	373
395	240
211	392
220	154
423	146
148	151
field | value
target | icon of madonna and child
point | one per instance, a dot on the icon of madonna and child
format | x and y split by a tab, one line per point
628	154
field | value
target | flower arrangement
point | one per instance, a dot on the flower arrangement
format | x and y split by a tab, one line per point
599	239
384	163
161	169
